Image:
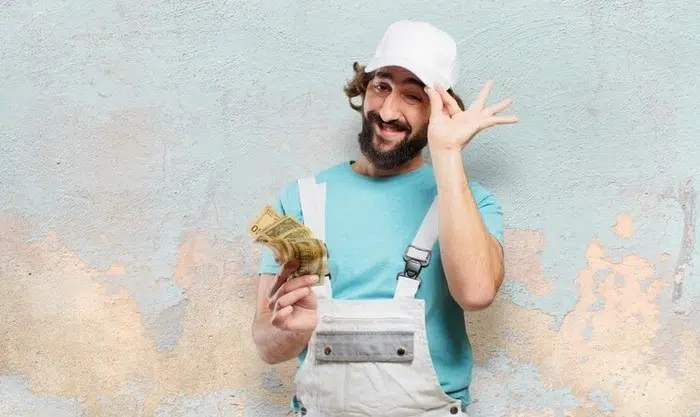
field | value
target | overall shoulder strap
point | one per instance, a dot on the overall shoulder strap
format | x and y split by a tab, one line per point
313	204
313	208
418	253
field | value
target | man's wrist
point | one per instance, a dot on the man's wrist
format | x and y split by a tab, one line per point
448	168
445	155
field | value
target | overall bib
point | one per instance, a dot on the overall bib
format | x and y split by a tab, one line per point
371	357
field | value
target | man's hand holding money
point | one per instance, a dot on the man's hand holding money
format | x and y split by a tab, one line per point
290	240
293	302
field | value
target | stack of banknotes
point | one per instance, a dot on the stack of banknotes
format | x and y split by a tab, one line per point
290	240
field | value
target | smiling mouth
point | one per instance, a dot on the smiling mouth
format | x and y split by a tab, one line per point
388	131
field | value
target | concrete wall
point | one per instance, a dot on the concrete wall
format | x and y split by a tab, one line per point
128	128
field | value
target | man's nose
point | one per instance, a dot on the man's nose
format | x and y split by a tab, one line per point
389	110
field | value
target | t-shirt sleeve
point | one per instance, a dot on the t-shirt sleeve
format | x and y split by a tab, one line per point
491	211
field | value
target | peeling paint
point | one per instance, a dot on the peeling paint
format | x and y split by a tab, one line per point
527	285
624	226
270	381
602	399
214	404
17	399
72	339
599	303
621	357
166	327
506	386
686	199
127	283
524	263
587	331
260	408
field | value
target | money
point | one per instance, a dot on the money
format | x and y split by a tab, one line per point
266	218
290	240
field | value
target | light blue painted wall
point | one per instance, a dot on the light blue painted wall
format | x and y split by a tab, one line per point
127	125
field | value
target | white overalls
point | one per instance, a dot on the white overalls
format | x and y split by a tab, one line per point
371	357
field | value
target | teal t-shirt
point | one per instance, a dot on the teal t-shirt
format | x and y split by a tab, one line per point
369	223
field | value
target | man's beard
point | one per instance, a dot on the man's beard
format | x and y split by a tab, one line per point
404	151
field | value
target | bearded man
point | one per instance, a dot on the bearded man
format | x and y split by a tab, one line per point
411	245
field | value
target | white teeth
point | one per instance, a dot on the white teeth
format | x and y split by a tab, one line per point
388	128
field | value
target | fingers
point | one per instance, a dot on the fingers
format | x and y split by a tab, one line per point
292	297
483	95
449	102
281	316
292	285
288	302
299	282
279	281
435	102
499	120
488	112
282	276
497	108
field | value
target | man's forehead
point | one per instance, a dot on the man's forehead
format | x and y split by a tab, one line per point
399	75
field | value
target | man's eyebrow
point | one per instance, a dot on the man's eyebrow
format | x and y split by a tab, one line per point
410	80
382	74
415	81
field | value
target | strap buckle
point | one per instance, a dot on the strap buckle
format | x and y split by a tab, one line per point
416	259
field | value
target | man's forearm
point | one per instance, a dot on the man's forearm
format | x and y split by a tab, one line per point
275	345
471	257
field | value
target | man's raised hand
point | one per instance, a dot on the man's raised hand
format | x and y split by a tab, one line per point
451	128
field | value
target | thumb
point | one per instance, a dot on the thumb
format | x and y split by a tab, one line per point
435	102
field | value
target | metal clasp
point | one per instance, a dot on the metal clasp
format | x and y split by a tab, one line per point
416	259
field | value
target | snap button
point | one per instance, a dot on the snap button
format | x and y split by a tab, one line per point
453	410
401	351
327	350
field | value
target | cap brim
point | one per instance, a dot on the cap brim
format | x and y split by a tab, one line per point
411	65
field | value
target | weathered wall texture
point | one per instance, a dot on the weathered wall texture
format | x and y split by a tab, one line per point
128	129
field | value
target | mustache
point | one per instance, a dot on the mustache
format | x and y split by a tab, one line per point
374	117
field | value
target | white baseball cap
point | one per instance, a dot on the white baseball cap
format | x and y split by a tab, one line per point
428	52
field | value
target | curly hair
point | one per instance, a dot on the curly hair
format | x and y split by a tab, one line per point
357	87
